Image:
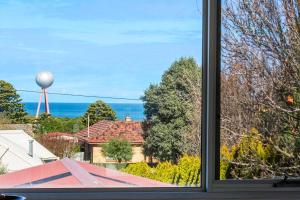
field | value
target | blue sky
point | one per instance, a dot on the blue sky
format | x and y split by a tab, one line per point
95	47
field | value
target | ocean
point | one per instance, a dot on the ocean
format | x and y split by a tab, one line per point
73	110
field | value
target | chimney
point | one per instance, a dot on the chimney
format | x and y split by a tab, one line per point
128	119
30	151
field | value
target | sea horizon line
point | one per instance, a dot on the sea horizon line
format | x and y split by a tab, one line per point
81	102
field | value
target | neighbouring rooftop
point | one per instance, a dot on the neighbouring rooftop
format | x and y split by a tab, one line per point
15	153
103	131
69	173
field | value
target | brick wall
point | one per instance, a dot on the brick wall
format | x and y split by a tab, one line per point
98	157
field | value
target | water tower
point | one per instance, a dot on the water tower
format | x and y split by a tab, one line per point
44	79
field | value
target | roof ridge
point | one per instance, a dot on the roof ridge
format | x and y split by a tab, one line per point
83	176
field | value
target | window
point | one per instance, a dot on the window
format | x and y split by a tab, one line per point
259	90
100	94
211	185
215	52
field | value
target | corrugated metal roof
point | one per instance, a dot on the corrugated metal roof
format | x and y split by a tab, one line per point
70	173
14	148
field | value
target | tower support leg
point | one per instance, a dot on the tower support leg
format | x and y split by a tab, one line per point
39	105
47	110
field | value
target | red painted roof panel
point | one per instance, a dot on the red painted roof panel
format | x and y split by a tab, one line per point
69	173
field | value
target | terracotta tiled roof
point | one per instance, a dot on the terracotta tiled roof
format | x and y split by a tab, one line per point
103	131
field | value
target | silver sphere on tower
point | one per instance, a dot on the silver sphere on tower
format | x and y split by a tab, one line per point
44	79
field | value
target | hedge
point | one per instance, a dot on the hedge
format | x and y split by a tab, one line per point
185	173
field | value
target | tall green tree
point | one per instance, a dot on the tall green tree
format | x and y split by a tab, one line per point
172	110
10	103
99	111
118	149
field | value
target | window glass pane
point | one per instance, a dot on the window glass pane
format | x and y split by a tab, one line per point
260	99
100	93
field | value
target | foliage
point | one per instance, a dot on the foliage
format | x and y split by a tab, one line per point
117	149
189	170
47	124
261	88
185	173
59	146
172	110
3	169
10	103
140	169
225	161
235	162
4	120
98	111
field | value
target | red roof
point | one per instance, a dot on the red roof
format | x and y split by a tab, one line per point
61	135
70	173
103	131
57	134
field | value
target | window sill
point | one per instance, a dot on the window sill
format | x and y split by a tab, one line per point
116	194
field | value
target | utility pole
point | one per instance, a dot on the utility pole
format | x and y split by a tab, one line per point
88	126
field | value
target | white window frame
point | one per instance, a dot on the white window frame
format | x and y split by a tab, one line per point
211	187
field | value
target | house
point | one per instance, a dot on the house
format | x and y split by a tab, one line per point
93	137
18	151
69	173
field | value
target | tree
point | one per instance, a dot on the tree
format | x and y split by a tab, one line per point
10	103
99	111
47	123
173	110
261	83
118	149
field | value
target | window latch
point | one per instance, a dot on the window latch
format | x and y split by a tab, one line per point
287	182
11	197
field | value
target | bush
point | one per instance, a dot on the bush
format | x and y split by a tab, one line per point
225	161
117	149
165	172
234	163
252	147
185	173
59	146
140	169
3	169
189	169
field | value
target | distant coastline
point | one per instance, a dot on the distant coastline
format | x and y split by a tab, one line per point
73	110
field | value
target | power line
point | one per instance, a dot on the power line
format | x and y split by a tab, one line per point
81	95
197	7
